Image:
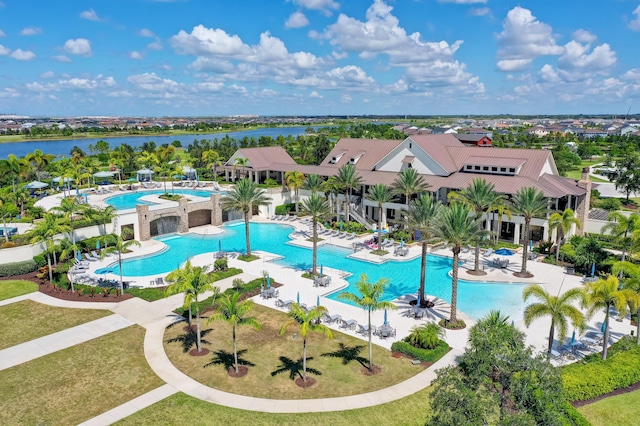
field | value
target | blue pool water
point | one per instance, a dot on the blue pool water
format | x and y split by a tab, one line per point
476	299
130	199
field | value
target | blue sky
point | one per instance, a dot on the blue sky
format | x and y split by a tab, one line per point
319	57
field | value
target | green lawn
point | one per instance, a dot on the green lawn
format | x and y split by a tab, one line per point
28	320
616	410
410	411
13	288
268	351
77	383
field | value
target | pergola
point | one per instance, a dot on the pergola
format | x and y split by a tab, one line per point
144	175
103	175
190	173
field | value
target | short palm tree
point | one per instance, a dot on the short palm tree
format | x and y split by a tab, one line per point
369	298
426	336
527	202
239	162
317	208
501	210
331	187
380	194
193	281
314	183
409	182
68	207
623	228
294	180
118	244
234	312
481	196
559	308
423	216
348	178
457	226
562	223
629	273
45	232
603	294
306	322
244	195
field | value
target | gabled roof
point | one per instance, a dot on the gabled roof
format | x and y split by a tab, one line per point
374	150
474	160
534	159
436	147
263	157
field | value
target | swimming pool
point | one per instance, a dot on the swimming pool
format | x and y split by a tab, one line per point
475	299
131	199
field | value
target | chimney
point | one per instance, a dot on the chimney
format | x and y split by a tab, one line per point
583	204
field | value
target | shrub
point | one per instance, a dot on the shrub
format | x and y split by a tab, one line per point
400	234
221	264
40	260
148	294
610	204
544	247
285	208
17	268
237	284
271	182
354	227
425	355
426	336
574	416
8	244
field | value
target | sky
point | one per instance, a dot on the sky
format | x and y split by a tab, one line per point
319	57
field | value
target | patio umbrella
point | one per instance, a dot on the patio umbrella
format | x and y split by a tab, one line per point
593	269
132	180
321	270
318	301
385	317
298	298
604	326
419	302
573	337
268	281
401	243
79	257
36	184
340	225
219	245
530	245
97	244
77	191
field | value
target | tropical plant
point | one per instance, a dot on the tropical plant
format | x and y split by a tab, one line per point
118	244
193	281
347	179
306	322
68	207
500	210
39	161
481	196
240	162
423	216
562	223
527	202
294	180
629	274
559	308
623	228
45	231
15	167
213	161
409	182
331	188
368	297
234	312
458	227
314	183
380	194
426	336
603	294
318	209
244	195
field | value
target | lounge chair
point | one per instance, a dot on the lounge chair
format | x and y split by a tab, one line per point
294	217
329	319
488	253
279	217
364	329
342	234
390	243
89	257
95	255
273	217
383	243
160	282
352	236
465	249
335	233
216	186
286	217
349	324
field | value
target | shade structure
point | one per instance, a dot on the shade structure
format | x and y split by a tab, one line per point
604	326
36	184
190	173
144	175
385	317
318	301
58	179
97	244
593	269
104	174
573	337
268	281
298	298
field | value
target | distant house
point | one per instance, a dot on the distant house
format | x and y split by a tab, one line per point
474	139
443	131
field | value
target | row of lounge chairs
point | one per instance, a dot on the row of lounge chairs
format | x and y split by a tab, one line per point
92	257
328	232
286	217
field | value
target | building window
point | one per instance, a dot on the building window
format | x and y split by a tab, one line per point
409	166
494	169
409	145
512	170
476	167
503	169
485	168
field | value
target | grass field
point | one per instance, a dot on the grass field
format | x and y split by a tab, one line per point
340	375
410	411
13	288
619	410
28	320
77	383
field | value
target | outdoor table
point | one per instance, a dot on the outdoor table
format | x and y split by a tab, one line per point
385	330
268	293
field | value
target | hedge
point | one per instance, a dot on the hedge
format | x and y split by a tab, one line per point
149	294
17	268
574	417
597	377
426	355
285	208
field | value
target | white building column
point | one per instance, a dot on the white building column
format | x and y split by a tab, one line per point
516	233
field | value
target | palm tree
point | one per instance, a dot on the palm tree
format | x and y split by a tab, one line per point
118	245
409	182
423	215
45	231
603	294
306	322
457	226
426	335
68	206
501	210
213	161
369	298
314	183
243	197
348	178
559	308
68	249
15	167
629	273
527	202
193	281
318	208
39	160
100	216
294	180
331	187
239	162
623	228
481	196
234	312
380	194
562	223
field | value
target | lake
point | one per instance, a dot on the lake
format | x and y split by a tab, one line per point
63	146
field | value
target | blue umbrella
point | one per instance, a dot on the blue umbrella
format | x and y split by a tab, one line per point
268	281
97	244
604	326
79	256
341	225
573	338
530	245
385	317
401	243
298	298
593	269
321	270
219	245
77	191
318	301
418	303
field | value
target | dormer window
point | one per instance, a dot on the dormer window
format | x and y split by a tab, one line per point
493	165
336	158
355	158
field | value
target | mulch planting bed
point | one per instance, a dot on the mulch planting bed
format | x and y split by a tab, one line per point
607	395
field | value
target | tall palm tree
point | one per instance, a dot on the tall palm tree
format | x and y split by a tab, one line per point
318	209
45	231
100	216
314	183
380	194
369	298
623	228
213	161
39	160
234	312
603	294
118	244
423	215
457	226
243	197
559	308
239	162
348	178
562	223
629	273
68	249
294	180
481	196
528	203
306	322
193	281
409	182
15	167
501	210
331	189
68	207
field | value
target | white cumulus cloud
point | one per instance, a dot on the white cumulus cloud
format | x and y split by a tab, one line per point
2	34
4	50
325	6
90	15
315	95
296	20
23	55
78	46
61	58
30	31
462	1
134	54
47	74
